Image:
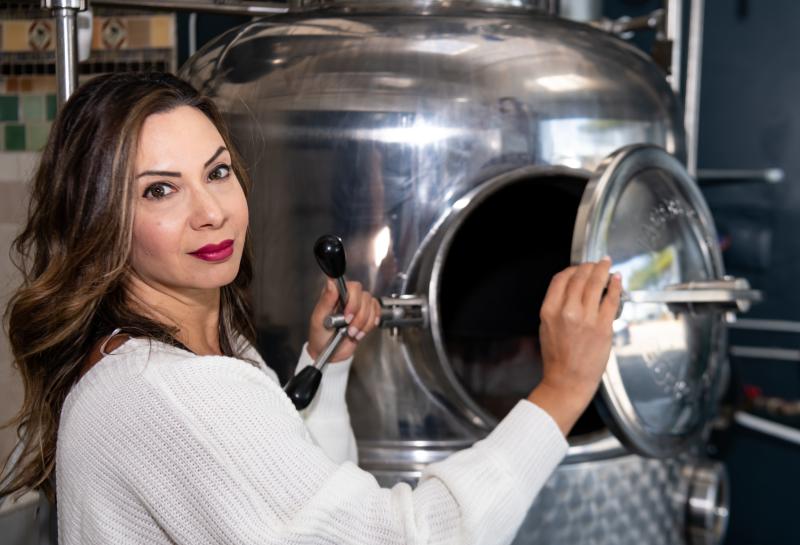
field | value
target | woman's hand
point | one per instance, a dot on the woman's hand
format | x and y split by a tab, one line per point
575	336
362	313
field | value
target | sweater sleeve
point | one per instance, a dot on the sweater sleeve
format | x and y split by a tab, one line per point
327	417
217	454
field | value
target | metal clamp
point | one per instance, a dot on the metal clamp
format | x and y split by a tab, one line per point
398	311
707	503
724	295
625	26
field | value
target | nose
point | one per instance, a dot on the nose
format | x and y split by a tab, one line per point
207	210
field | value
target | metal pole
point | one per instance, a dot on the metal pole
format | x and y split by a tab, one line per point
66	53
65	13
233	7
768	175
675	35
691	116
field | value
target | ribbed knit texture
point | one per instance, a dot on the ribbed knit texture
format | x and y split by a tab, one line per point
159	446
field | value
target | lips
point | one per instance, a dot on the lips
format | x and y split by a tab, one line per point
214	252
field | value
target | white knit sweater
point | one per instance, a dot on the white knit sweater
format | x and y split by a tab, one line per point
157	445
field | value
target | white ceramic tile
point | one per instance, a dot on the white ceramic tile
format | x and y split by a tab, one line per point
10	382
17	166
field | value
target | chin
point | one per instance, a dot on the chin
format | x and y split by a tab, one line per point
216	279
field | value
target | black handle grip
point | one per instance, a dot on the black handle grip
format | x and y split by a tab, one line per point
329	252
302	387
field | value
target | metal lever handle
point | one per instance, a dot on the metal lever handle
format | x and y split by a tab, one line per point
330	255
302	387
724	295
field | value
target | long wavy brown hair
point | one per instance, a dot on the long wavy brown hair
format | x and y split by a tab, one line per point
74	254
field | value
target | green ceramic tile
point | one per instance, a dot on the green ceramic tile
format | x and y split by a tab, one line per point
9	108
52	107
15	137
36	135
33	108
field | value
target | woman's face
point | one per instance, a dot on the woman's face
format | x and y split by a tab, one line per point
190	212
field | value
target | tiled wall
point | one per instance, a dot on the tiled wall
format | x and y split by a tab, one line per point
27	108
111	32
15	169
120	41
27	75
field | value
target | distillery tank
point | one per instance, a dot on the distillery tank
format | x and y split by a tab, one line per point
466	151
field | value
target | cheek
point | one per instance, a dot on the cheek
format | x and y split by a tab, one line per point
239	211
153	239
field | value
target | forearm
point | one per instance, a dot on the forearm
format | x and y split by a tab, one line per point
563	406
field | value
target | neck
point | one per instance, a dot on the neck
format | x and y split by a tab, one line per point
193	313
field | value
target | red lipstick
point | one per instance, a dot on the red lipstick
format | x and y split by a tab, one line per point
214	252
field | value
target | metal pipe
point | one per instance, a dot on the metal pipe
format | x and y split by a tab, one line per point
231	7
691	115
767	427
65	13
192	33
778	326
765	353
675	36
719	175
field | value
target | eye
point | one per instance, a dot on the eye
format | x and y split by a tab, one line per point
220	172
158	191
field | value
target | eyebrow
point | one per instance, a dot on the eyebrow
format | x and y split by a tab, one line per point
172	174
216	154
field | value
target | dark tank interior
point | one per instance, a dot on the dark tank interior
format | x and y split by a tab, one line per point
496	273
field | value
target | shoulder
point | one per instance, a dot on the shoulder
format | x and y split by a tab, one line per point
249	353
141	371
147	399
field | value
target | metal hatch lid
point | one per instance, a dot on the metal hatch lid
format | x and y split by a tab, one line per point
662	381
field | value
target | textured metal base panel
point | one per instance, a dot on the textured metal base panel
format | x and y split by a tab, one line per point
625	501
622	501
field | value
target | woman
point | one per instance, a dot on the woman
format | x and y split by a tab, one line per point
146	399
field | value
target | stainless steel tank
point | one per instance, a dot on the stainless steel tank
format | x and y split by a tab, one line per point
466	151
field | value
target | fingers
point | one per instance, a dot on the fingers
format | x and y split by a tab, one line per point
554	298
328	300
611	301
375	315
596	283
330	295
362	314
573	295
578	290
364	308
354	291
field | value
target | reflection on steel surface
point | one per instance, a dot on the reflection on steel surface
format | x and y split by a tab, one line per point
663	380
450	148
361	124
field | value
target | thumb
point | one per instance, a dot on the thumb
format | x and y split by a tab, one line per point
329	297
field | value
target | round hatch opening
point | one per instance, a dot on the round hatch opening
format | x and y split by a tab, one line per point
495	275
